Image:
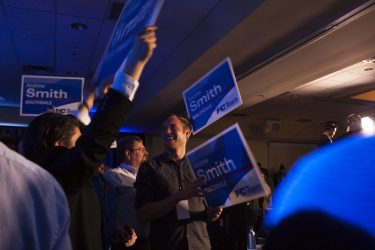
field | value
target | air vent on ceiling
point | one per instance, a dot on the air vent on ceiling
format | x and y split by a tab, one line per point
37	70
115	11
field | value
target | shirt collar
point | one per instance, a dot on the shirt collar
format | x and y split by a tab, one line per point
129	168
165	157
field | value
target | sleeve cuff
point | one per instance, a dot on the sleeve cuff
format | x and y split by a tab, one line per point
82	116
125	85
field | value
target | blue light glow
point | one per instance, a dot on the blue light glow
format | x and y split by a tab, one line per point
338	179
123	129
11	124
10	104
130	130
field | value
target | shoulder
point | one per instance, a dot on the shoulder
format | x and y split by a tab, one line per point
35	180
119	177
154	162
22	168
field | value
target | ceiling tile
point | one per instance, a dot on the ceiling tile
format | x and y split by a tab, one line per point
38	20
2	17
84	8
34	47
80	43
66	62
42	5
7	46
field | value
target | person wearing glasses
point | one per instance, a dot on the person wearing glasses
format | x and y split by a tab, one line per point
131	154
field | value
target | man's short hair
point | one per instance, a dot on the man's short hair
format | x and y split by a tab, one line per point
126	143
351	116
185	121
45	130
330	125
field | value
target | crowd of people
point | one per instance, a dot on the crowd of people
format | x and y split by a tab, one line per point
59	197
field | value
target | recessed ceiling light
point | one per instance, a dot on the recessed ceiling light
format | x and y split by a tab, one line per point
79	26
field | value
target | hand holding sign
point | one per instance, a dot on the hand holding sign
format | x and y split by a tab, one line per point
213	213
141	53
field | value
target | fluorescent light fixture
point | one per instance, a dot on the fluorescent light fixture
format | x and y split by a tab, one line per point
368	125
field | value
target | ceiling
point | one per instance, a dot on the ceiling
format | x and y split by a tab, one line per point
296	62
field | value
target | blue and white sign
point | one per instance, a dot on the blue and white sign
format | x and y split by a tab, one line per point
213	96
227	169
41	93
136	15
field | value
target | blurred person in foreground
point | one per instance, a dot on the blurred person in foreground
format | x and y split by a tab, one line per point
170	198
327	200
34	210
55	142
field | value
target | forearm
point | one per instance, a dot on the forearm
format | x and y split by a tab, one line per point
134	68
157	209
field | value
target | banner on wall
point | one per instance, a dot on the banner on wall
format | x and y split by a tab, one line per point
41	93
213	96
227	169
136	15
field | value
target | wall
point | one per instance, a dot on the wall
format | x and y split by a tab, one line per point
266	151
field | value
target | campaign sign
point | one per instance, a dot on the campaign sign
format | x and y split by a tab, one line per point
227	169
213	96
41	93
136	15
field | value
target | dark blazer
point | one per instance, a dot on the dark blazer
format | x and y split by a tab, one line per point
74	167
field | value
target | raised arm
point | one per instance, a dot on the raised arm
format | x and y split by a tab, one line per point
91	148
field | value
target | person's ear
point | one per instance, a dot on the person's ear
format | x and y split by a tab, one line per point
188	134
127	154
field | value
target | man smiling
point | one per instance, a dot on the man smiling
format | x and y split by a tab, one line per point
169	198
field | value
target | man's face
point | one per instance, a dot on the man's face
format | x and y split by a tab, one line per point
355	124
137	155
332	132
174	135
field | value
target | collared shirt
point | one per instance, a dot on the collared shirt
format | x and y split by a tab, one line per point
158	179
34	210
123	178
